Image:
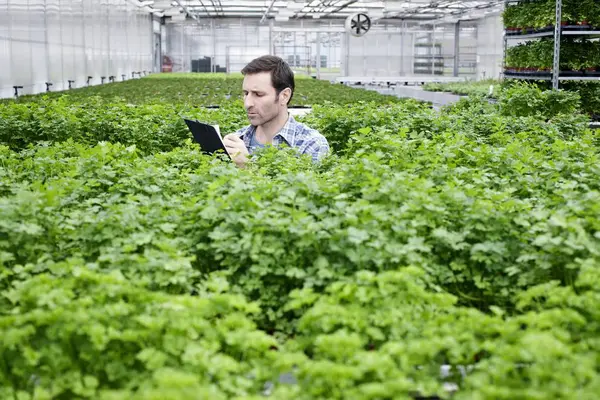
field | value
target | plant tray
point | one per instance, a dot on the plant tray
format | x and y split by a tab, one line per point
529	31
571	73
528	73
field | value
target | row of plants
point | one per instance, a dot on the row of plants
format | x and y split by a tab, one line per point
160	127
88	335
486	87
577	57
150	127
196	90
448	254
433	254
588	92
534	16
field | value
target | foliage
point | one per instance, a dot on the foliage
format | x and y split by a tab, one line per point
389	335
563	102
79	334
525	99
540	14
433	252
151	127
481	88
197	90
575	55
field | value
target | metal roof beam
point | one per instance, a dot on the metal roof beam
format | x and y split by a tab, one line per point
186	10
340	7
267	12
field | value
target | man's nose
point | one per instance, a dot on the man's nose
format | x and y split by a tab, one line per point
248	102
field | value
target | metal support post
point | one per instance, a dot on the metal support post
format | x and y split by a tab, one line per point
84	25
557	35
388	53
318	63
213	66
432	52
402	35
109	55
456	48
347	45
182	50
227	66
505	39
271	50
294	64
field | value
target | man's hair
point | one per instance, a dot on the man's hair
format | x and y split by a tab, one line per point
282	76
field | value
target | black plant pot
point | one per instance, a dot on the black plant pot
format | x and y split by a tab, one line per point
571	73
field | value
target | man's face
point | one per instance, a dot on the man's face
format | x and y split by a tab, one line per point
260	99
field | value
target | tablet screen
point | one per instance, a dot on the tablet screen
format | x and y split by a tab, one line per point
207	136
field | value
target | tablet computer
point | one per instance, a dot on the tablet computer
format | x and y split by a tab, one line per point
207	136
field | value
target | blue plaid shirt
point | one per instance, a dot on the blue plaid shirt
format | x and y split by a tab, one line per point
294	134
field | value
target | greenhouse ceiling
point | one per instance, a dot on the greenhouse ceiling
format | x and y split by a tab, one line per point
282	10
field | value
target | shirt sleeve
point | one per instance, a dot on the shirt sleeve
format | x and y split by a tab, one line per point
242	133
317	148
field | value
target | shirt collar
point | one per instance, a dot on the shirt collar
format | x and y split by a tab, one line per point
286	132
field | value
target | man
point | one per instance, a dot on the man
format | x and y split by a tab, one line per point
268	88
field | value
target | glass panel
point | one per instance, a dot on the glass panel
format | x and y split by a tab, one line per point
20	45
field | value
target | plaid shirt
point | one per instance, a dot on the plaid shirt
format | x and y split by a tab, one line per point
294	134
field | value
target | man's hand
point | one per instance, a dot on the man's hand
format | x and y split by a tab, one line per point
237	149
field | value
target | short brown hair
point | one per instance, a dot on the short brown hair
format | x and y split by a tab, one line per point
282	76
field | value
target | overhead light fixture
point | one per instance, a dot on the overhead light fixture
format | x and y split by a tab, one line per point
162	4
284	12
375	14
170	12
282	18
396	6
141	3
293	5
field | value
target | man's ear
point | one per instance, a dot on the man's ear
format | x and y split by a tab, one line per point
285	95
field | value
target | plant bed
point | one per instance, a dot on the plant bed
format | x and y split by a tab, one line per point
571	73
527	72
592	72
576	26
140	268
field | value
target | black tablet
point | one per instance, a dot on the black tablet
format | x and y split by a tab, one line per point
207	136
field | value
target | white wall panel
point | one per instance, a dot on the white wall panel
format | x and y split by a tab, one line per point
220	40
79	50
489	47
20	44
54	41
92	54
112	38
60	40
5	52
380	53
68	28
39	55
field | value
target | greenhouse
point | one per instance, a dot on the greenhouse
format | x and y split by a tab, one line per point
345	199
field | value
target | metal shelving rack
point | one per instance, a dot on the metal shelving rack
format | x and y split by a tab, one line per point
428	58
557	34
